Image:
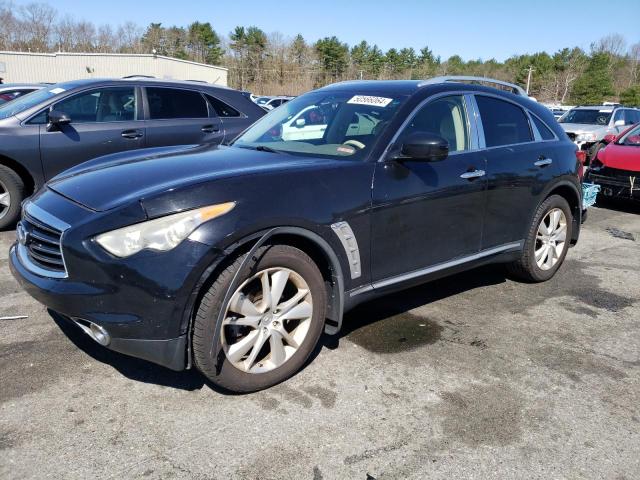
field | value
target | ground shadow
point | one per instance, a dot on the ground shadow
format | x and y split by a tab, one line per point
391	305
131	367
619	205
399	304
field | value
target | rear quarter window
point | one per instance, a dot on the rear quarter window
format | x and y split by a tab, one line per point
221	108
503	122
545	132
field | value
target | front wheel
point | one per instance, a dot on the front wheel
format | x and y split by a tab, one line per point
547	241
11	196
270	325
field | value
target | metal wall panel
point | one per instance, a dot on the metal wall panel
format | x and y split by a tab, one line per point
60	67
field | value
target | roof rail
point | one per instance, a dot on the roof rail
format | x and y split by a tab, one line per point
518	90
138	76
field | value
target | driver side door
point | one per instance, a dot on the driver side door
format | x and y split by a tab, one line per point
103	121
426	213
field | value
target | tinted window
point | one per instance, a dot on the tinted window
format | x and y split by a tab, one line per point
167	103
103	105
545	132
587	117
635	116
221	108
445	117
618	115
9	95
504	123
630	117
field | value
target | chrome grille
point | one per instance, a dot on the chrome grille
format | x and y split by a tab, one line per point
39	245
43	244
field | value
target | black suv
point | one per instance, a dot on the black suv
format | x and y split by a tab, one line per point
236	258
59	126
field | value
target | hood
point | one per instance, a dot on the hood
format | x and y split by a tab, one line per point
112	181
621	157
583	127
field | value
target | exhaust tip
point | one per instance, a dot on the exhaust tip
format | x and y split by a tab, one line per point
96	332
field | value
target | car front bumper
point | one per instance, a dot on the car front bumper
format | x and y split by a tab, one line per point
616	187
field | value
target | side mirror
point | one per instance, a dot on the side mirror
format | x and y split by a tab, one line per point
57	119
619	123
609	138
424	146
300	122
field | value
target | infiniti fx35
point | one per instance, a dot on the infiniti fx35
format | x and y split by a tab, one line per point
234	259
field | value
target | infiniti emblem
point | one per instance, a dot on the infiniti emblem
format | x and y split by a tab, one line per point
22	234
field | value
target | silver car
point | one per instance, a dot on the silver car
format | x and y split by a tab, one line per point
587	126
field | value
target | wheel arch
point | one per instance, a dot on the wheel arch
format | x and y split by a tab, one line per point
309	242
568	190
27	179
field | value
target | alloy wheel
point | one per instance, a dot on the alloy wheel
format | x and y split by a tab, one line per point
550	239
5	200
267	319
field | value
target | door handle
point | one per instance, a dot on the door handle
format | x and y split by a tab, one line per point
543	162
131	134
210	128
473	174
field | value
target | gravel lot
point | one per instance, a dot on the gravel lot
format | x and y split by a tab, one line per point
471	376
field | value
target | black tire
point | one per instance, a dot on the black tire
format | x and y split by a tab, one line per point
12	184
213	363
526	268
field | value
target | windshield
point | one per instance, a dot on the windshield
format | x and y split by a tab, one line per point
587	117
632	138
27	101
336	124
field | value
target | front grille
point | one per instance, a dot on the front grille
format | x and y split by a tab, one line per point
43	244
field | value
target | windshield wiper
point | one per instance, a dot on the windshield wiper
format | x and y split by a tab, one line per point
263	148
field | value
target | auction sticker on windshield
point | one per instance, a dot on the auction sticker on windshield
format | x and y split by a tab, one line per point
371	101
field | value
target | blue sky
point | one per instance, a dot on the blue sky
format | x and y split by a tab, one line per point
472	29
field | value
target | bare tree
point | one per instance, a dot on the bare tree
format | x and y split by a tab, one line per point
38	24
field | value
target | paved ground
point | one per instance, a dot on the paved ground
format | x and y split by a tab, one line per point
472	376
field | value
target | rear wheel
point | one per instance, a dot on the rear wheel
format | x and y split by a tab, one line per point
11	196
270	325
547	241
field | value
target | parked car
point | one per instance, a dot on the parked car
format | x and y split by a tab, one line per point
261	100
62	125
275	102
617	167
587	126
234	259
11	91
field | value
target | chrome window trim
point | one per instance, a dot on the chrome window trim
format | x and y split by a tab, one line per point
417	108
437	267
482	145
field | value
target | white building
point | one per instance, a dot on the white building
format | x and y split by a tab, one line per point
23	67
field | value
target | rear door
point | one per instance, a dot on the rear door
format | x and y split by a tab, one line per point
103	121
518	168
180	117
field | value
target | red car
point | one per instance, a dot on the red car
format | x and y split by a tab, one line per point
617	167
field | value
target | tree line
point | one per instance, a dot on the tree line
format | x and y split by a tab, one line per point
269	63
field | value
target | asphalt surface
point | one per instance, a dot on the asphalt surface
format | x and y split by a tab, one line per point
474	376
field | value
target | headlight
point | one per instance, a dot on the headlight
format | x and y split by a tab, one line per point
161	234
586	137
